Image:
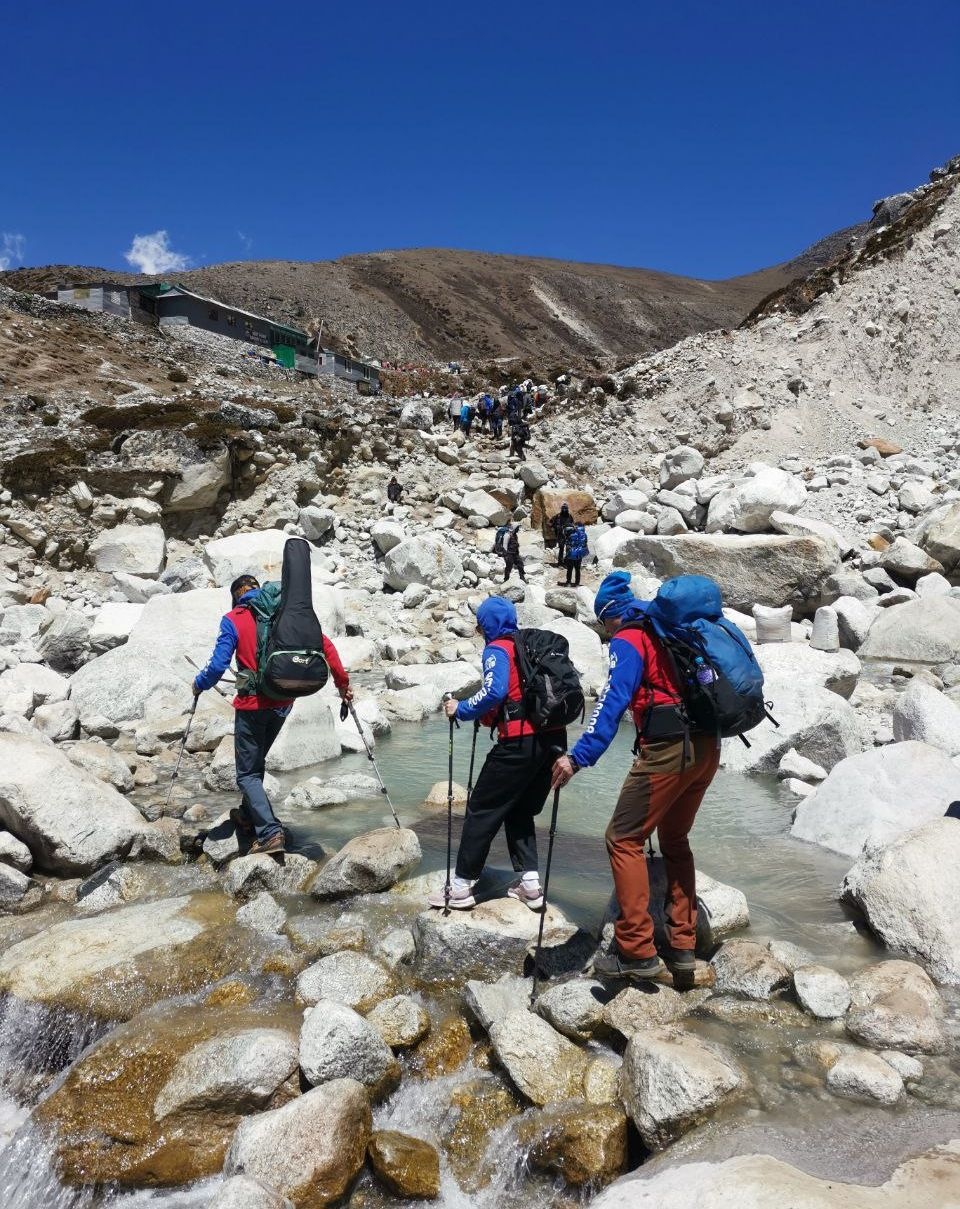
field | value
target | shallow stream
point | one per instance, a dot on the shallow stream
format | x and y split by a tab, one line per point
741	837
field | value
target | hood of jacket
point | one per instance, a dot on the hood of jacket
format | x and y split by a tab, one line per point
497	617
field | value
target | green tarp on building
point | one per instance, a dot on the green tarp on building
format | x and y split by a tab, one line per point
286	355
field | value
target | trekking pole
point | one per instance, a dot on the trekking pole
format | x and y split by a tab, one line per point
345	708
221	691
546	886
183	744
446	886
473	755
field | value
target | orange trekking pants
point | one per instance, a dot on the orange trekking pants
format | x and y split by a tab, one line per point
662	793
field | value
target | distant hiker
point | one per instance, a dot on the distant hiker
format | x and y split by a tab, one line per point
577	551
519	436
496	418
512	558
562	524
513	403
663	790
515	779
453	411
466	418
258	720
394	490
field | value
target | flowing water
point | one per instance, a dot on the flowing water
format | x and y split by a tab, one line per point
741	837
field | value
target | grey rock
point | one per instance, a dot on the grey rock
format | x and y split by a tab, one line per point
574	1008
236	1071
821	991
262	913
368	863
921	631
907	888
672	1080
895	788
929	716
752	569
488	1002
346	977
318	1140
242	1192
48	803
543	1065
400	1021
337	1043
864	1076
894	1005
744	967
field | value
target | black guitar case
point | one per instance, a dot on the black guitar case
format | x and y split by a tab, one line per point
294	665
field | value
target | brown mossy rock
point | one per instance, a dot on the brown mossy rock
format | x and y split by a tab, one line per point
406	1166
546	505
583	1143
445	1050
102	1118
109	967
482	1106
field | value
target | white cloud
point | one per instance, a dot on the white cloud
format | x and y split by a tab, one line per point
153	254
12	247
245	240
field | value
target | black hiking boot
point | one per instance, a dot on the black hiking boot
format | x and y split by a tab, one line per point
639	969
679	961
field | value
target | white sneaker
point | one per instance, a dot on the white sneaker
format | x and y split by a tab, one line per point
460	899
530	896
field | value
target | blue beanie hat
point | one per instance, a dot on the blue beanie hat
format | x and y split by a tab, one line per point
614	597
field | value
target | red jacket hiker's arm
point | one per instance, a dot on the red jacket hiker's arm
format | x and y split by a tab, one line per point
340	677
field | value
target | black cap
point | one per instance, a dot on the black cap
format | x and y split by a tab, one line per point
243	583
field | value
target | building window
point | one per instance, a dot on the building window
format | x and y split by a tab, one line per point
231	321
214	313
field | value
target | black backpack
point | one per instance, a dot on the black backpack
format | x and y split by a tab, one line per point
500	538
552	696
290	658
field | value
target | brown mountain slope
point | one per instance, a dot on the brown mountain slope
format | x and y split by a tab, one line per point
442	303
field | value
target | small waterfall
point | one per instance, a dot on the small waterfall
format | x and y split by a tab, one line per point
37	1042
422	1108
28	1179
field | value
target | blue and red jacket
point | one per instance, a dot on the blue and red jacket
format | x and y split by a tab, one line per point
238	636
640	678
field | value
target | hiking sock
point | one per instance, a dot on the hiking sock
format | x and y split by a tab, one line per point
531	878
460	884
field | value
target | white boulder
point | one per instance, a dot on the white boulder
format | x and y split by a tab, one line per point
876	796
135	549
422	560
746	507
907	890
70	820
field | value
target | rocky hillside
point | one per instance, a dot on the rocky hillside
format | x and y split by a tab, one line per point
311	1024
439	303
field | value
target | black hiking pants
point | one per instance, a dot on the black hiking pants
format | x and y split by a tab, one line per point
510	792
573	571
509	562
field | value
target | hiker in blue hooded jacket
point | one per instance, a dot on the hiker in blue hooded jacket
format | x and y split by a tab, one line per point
515	779
671	773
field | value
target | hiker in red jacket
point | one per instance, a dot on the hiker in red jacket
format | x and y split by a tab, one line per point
258	720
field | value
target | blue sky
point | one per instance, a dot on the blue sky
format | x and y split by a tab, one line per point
700	138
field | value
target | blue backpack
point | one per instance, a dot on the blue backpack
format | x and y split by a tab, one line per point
720	678
577	548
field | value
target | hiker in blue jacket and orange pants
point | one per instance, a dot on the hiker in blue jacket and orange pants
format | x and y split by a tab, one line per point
258	720
663	790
